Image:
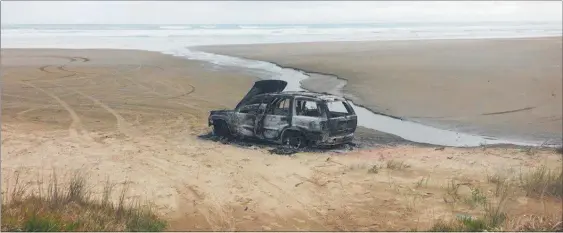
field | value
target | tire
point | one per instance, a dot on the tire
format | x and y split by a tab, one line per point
221	129
294	139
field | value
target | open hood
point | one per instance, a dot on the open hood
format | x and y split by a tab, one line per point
263	87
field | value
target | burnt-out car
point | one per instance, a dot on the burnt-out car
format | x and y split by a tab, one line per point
297	119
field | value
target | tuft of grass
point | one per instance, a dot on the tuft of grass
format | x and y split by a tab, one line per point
535	223
422	182
502	184
396	165
17	191
48	224
530	150
559	150
462	224
374	169
496	178
538	182
443	226
542	182
494	214
70	208
492	220
532	223
412	199
477	198
452	190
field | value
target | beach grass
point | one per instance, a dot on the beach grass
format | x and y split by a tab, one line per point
542	182
71	207
538	183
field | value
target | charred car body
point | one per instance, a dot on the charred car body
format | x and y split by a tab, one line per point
291	118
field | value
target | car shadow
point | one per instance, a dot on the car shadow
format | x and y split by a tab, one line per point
273	148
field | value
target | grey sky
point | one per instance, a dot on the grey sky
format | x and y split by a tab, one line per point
215	12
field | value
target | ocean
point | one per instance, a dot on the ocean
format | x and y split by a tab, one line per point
159	37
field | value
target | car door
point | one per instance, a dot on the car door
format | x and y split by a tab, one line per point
277	118
342	119
308	114
245	117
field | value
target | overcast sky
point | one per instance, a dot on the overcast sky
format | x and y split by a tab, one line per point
214	12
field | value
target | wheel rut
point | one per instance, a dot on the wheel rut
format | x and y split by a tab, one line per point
122	125
76	128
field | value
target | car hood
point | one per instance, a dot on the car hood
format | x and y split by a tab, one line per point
263	87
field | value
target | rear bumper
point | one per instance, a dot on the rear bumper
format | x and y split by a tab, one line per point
336	140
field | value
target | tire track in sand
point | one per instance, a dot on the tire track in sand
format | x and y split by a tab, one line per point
61	68
151	89
187	193
184	92
122	125
306	210
76	128
44	69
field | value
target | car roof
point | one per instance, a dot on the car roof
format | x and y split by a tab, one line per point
319	96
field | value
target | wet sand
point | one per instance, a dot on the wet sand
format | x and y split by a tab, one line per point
510	88
135	118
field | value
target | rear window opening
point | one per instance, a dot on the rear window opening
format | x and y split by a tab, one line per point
307	108
338	109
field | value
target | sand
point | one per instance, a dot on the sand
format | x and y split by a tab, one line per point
135	118
509	88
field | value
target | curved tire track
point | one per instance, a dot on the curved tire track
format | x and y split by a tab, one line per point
184	94
122	125
169	86
44	68
508	111
60	68
76	128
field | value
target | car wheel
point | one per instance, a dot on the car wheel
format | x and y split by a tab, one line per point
294	139
220	129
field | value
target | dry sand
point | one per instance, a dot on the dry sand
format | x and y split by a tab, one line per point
134	117
495	87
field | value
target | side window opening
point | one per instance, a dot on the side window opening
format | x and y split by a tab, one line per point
307	108
280	107
338	109
251	106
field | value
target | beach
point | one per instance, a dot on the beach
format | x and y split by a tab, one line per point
138	119
507	88
121	116
111	116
